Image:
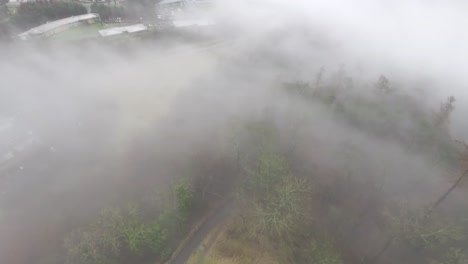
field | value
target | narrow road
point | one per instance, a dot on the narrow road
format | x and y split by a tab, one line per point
194	242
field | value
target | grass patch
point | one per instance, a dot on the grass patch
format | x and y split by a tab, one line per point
79	33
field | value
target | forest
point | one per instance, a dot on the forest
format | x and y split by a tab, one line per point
296	198
32	14
297	137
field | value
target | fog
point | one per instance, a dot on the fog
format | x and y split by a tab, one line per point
405	40
105	124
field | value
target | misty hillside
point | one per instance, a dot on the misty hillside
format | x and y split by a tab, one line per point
217	132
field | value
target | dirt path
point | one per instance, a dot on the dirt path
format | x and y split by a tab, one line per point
209	244
205	228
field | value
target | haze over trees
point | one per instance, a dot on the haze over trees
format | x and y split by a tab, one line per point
107	11
4	21
333	170
290	161
291	210
31	14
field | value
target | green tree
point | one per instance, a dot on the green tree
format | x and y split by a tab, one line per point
433	239
108	12
31	14
5	30
323	252
274	199
280	213
140	9
143	238
116	233
184	195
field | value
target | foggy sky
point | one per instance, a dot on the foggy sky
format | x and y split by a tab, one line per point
102	116
411	40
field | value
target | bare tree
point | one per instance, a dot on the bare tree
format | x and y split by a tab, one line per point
383	85
442	117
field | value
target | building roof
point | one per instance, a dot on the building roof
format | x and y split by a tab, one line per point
192	22
194	2
120	30
56	24
18	2
166	2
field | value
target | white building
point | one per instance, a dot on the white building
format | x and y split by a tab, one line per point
18	2
57	26
185	23
168	9
116	31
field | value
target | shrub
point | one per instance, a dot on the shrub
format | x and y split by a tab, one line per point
115	233
184	195
323	253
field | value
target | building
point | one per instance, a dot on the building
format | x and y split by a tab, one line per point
195	28
16	3
119	31
168	9
54	27
190	23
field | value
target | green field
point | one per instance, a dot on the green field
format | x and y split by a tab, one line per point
79	33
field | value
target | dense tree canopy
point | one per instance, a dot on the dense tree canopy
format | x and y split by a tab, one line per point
4	31
108	12
31	14
5	26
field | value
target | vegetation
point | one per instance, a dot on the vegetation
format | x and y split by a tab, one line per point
273	204
132	10
31	14
275	199
140	9
434	240
323	252
82	33
117	233
424	237
5	26
123	234
5	31
288	212
107	12
184	199
348	172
